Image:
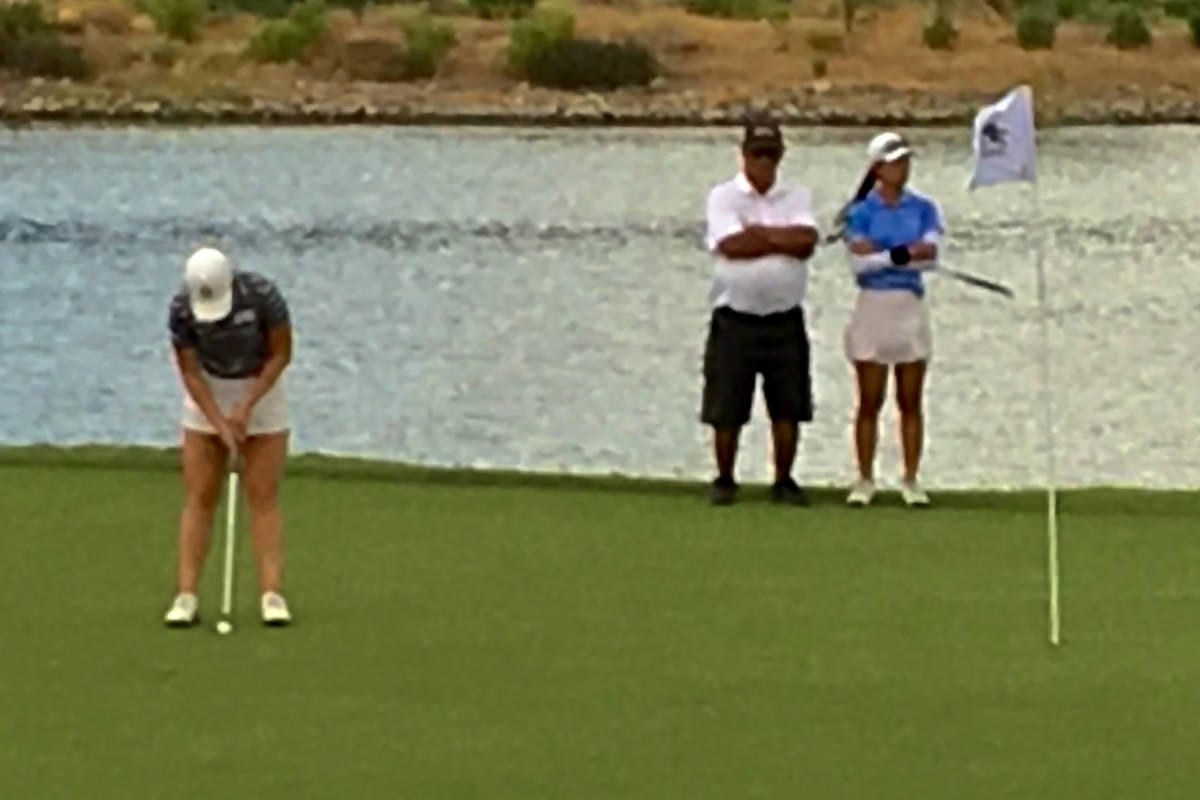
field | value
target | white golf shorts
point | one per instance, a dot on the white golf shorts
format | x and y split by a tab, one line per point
269	414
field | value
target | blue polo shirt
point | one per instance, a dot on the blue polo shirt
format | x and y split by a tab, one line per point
913	218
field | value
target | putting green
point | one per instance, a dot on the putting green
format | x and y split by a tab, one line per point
475	636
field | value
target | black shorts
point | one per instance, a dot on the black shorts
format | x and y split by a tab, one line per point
743	346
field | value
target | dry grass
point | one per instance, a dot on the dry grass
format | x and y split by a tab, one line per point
106	16
699	54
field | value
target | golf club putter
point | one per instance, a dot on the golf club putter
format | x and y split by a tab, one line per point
975	280
225	621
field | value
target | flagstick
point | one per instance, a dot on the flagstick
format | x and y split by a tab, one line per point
1048	408
771	444
1009	119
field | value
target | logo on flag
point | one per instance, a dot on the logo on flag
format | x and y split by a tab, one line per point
994	138
1005	141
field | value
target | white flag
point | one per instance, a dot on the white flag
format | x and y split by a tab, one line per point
1005	141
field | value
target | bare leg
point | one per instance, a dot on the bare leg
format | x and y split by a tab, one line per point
785	436
872	383
910	385
264	458
203	462
726	444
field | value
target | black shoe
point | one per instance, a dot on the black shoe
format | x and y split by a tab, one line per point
788	492
723	491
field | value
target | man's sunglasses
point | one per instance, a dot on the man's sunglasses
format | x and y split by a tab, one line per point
768	153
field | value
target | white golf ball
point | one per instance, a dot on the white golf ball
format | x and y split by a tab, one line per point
224	627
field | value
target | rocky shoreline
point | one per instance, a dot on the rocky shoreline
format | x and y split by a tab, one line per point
338	104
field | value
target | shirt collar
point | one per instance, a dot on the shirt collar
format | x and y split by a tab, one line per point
743	184
875	198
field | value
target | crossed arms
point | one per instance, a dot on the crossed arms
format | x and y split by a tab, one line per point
730	236
866	256
756	241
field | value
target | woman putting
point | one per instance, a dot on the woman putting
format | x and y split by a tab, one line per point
232	337
892	236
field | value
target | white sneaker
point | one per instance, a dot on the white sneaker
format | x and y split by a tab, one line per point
274	610
182	613
862	494
914	496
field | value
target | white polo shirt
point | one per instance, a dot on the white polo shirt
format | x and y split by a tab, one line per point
766	285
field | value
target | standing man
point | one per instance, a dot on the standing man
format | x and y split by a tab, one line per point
761	234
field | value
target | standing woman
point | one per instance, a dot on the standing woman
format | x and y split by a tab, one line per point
232	336
892	237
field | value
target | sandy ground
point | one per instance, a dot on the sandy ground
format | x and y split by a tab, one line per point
705	61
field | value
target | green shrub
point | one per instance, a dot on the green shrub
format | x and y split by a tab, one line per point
178	19
939	33
1036	28
281	40
43	55
776	13
425	44
501	9
739	9
1068	9
1194	24
278	41
311	17
546	25
1129	30
591	64
449	8
23	19
1103	11
1181	9
30	45
268	9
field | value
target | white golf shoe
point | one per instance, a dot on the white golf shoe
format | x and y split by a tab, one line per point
914	496
275	610
861	494
182	613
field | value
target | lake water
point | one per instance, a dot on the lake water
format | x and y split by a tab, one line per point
537	298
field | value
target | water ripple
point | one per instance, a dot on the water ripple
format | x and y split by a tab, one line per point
539	300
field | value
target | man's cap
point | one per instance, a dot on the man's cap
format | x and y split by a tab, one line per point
888	147
762	134
209	278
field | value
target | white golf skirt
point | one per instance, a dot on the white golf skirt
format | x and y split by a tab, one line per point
889	327
269	414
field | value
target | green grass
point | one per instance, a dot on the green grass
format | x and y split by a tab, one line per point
490	636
